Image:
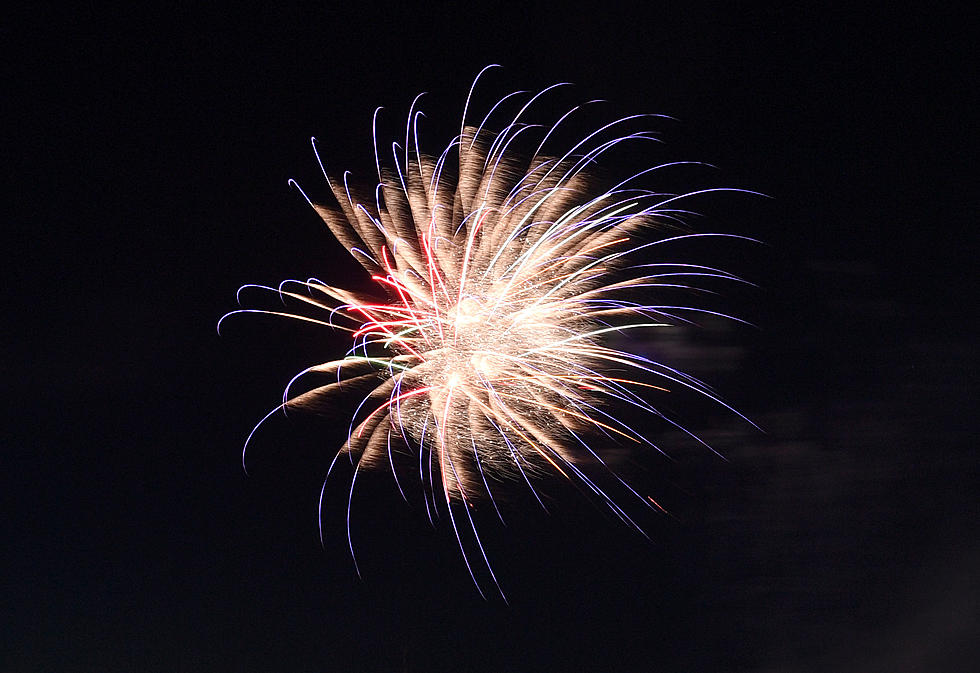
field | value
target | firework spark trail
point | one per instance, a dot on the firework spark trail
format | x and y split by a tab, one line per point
503	277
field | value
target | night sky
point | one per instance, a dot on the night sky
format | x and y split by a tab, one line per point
146	162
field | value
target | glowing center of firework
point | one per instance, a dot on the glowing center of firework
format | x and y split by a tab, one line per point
482	363
474	336
466	313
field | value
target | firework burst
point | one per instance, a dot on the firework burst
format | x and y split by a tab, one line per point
501	277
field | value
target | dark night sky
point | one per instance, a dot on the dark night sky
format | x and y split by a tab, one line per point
147	163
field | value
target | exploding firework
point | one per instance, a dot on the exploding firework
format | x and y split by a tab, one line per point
501	277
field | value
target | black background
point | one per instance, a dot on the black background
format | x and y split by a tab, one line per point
147	162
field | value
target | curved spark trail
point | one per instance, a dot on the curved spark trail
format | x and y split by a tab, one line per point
502	276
